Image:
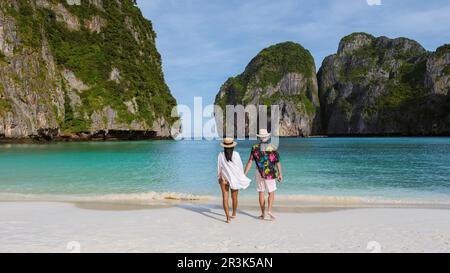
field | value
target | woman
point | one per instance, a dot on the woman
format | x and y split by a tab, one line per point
230	173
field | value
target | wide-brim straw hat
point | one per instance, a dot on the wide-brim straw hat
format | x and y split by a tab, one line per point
263	133
228	142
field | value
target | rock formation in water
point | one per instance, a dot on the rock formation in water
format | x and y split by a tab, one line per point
284	75
382	86
80	71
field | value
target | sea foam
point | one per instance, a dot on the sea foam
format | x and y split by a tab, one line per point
155	198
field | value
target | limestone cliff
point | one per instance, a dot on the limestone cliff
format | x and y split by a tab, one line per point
80	71
283	75
382	86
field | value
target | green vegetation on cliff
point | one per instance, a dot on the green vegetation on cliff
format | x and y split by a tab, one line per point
267	69
355	35
29	27
403	86
2	57
408	86
447	70
4	107
284	75
383	86
440	51
125	42
71	123
301	102
277	60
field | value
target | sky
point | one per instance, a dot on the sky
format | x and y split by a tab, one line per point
204	42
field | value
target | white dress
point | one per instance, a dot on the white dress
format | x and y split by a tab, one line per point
232	171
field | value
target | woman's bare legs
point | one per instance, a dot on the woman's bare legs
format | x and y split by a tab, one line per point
262	204
234	196
270	201
225	192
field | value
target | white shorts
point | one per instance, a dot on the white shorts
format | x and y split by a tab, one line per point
263	185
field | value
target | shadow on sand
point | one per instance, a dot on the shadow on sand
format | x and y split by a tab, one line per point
207	211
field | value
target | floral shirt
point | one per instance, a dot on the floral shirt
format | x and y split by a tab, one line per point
266	159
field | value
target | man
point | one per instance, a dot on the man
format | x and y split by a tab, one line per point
268	168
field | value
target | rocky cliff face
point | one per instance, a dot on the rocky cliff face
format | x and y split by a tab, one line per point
284	75
70	71
382	86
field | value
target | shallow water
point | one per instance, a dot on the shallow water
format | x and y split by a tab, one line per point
415	169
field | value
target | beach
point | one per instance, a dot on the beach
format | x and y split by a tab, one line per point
200	227
124	125
337	195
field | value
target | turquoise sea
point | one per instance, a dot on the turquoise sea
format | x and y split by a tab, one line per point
397	169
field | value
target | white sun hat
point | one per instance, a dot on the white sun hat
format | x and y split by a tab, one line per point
263	133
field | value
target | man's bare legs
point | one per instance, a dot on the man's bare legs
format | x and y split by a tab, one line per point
234	197
271	199
262	204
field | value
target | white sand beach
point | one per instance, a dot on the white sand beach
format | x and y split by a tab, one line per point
50	227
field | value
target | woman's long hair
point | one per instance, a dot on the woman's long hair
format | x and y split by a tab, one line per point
228	153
